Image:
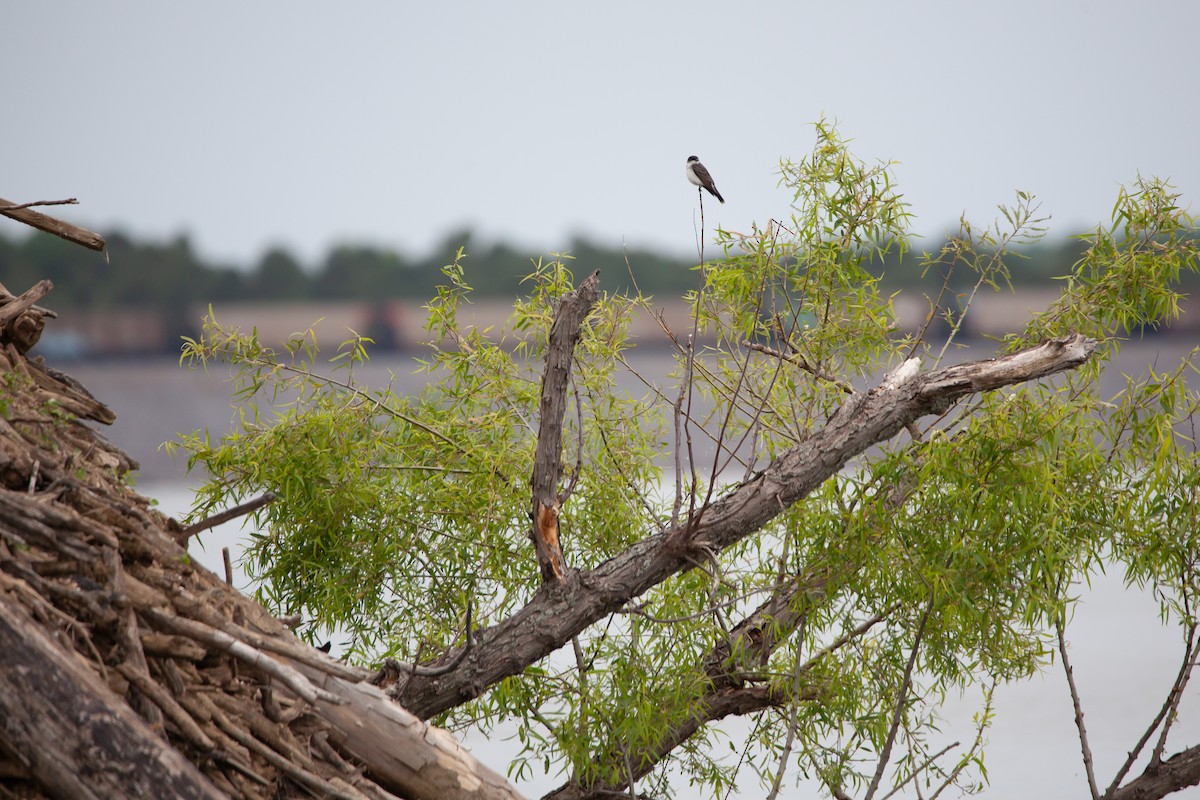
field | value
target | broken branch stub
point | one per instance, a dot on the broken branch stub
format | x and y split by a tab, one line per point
547	462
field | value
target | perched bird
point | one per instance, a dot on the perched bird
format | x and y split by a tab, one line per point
697	175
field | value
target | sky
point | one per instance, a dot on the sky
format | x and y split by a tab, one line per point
303	125
300	124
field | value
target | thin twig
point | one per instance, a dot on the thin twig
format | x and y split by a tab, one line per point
801	362
921	768
1083	739
901	698
985	719
70	201
1176	695
793	717
707	611
1164	713
842	640
433	672
682	347
566	493
690	375
743	371
225	516
356	394
44	222
677	418
933	309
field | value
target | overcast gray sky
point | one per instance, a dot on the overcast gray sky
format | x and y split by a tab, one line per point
305	124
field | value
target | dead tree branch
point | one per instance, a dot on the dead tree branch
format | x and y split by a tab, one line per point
547	460
240	510
44	222
1076	702
550	619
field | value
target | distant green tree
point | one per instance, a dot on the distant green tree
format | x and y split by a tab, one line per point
828	561
360	272
278	276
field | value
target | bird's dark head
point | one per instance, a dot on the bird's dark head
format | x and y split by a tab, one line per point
692	159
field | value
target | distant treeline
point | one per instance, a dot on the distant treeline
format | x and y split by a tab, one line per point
172	275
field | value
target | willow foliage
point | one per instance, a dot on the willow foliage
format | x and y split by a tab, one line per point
945	561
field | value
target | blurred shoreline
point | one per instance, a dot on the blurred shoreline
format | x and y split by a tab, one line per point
156	399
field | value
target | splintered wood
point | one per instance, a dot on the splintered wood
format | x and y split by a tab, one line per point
547	460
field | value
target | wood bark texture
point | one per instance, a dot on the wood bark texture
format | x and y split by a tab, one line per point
557	613
547	460
49	224
127	671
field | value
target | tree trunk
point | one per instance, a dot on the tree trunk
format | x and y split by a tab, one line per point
559	612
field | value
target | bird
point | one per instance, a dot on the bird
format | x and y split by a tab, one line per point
697	175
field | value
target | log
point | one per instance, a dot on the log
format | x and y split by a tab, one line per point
76	738
403	752
103	616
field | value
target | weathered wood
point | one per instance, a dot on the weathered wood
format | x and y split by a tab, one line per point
547	461
13	308
403	751
72	398
22	322
109	615
78	739
552	618
49	224
1177	773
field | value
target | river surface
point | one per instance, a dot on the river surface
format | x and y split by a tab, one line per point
1124	658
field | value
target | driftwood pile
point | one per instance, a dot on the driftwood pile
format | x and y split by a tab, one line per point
125	670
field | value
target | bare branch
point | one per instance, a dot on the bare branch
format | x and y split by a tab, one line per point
924	765
801	362
287	675
222	517
1168	708
793	717
1083	738
677	418
1176	693
1167	777
863	420
547	461
19	305
70	201
43	222
901	702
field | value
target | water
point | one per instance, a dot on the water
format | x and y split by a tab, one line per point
1124	659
